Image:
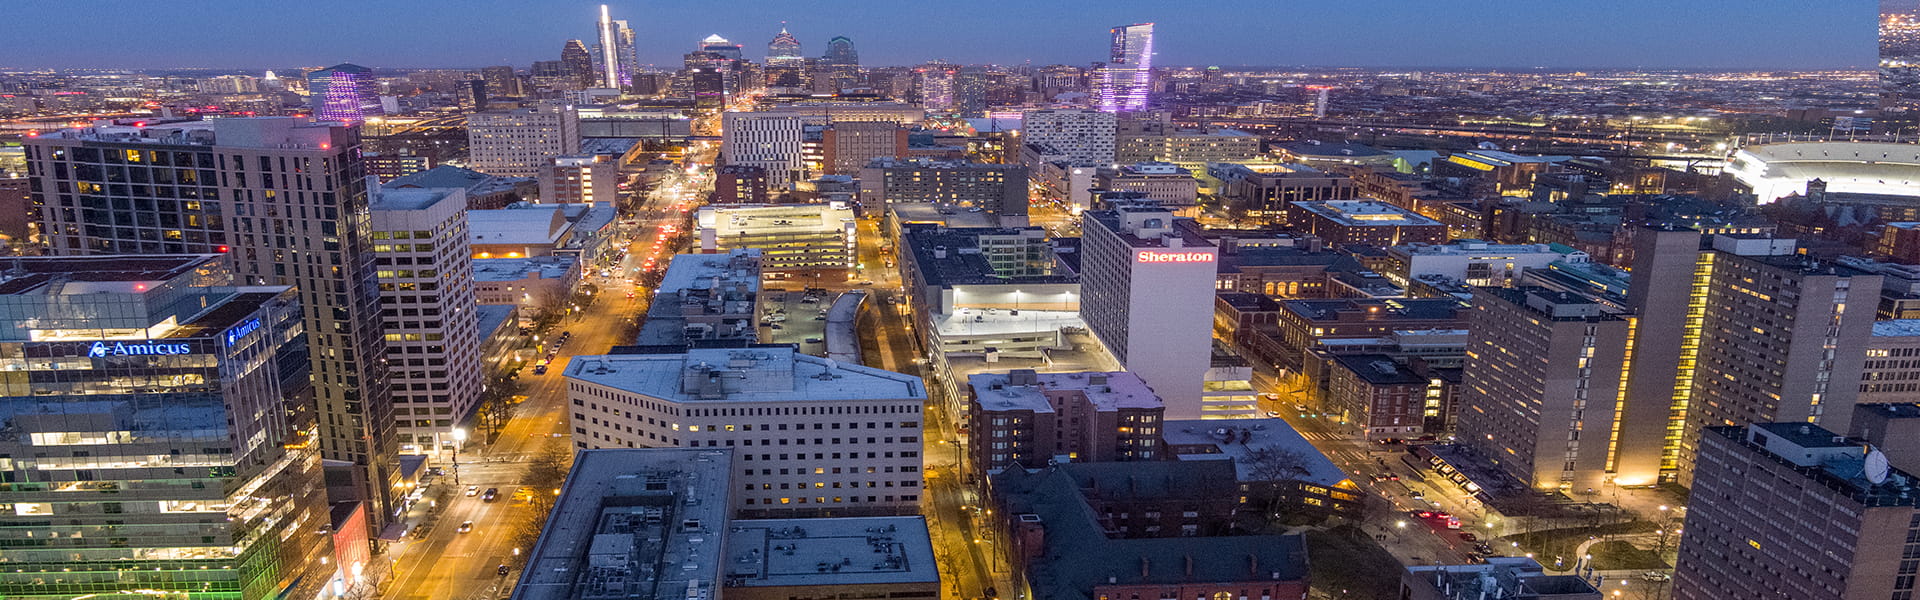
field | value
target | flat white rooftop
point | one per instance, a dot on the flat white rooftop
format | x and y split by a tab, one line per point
975	322
830	551
743	375
1107	390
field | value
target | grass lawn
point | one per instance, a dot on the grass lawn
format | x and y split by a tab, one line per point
1549	543
1621	555
1345	562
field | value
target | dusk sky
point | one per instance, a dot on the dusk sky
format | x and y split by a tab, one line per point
1788	34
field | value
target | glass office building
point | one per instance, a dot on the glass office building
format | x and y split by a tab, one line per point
156	434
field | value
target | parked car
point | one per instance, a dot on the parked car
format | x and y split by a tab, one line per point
1468	536
473	490
466	527
538	370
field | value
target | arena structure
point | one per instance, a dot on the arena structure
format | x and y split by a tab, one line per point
1774	171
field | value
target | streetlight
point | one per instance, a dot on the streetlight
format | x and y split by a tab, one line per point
459	439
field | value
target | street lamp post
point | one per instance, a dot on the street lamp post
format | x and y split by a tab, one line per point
459	439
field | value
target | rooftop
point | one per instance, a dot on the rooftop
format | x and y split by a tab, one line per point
1136	225
408	198
1379	369
1023	389
768	374
94	274
1826	458
1242	440
973	321
629	524
536	225
1320	149
1897	328
449	176
1395	308
830	552
951	256
773	219
515	269
1365	213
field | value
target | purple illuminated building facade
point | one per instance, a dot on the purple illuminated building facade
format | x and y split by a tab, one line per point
1122	83
343	92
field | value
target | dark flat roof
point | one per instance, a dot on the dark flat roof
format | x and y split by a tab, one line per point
28	273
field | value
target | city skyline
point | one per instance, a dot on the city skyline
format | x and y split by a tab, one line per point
1486	34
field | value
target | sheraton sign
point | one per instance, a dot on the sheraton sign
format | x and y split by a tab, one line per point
1164	256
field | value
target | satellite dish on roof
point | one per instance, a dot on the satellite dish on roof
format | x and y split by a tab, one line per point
1876	466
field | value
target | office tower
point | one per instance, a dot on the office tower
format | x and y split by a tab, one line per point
501	82
1032	419
343	92
770	140
1793	510
1078	136
157	426
614	53
786	67
287	201
1143	272
1123	81
813	436
849	146
519	142
391	166
970	91
580	179
473	94
840	53
431	321
722	47
1541	384
578	62
1900	54
229	84
1778	342
1000	190
934	81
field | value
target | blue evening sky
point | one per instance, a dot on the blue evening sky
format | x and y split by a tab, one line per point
1787	34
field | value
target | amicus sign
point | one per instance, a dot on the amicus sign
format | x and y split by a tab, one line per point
240	331
104	349
1164	256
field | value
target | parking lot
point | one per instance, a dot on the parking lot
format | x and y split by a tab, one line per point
788	317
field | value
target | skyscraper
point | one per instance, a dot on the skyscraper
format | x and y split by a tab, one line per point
614	52
1142	273
578	62
156	422
287	201
343	92
501	81
935	83
840	53
1123	81
426	272
786	67
1900	53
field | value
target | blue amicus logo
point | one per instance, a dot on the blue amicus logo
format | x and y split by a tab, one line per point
104	349
240	331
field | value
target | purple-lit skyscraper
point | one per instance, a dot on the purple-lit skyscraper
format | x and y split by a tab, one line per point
1122	83
343	92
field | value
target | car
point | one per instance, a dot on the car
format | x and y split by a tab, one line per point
814	340
1379	477
1391	441
1656	576
1273	414
1468	536
774	326
866	283
436	471
1483	548
502	570
537	370
473	490
820	317
490	495
466	527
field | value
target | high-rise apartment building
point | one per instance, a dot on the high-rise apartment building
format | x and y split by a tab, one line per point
934	81
1778	342
1541	384
519	142
343	92
1900	54
1123	82
158	433
770	140
1078	136
1143	272
811	436
1793	510
431	319
286	200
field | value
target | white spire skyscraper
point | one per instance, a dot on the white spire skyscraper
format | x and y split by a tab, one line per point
609	51
614	53
1122	82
